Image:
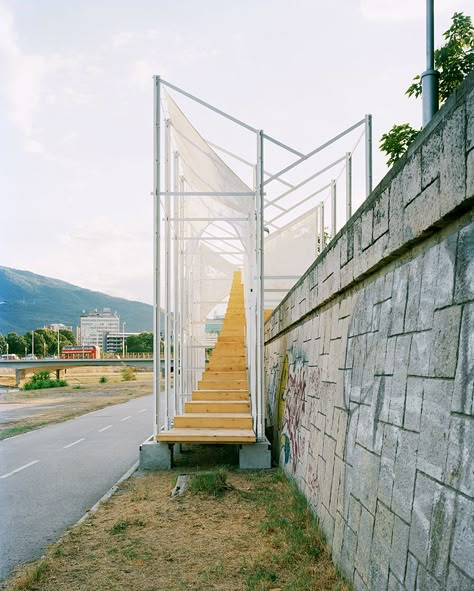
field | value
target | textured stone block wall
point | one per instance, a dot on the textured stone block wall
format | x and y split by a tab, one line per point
370	372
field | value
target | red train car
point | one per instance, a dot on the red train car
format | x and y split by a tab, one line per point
80	352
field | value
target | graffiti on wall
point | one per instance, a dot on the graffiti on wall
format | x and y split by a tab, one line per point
287	406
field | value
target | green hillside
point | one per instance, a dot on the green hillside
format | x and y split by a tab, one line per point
29	301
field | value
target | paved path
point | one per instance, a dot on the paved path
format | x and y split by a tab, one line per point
50	477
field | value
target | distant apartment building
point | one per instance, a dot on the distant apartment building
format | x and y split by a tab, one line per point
95	326
117	341
56	326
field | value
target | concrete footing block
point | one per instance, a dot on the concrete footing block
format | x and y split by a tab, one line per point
255	456
155	456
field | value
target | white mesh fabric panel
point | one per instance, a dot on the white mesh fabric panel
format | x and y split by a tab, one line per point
216	279
289	251
206	172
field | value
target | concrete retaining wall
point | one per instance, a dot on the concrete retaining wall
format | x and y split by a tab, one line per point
370	372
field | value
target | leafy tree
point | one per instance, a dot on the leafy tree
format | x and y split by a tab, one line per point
50	341
3	345
67	336
39	343
16	344
140	343
454	60
396	141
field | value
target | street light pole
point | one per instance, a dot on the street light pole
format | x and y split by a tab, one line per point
430	77
123	339
58	343
33	343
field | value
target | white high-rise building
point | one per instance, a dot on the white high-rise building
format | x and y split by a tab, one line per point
95	325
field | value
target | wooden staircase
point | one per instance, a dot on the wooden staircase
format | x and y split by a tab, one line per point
219	411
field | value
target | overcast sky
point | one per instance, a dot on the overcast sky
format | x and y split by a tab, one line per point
76	106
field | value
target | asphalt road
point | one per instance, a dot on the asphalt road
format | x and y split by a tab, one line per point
50	477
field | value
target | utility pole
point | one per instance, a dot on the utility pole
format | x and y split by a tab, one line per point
430	77
123	340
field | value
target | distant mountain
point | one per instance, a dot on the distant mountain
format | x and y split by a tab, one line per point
29	301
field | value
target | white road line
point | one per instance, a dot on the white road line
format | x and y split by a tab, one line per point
74	443
105	428
20	469
142	410
126	418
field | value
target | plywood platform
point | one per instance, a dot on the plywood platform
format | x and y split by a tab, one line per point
219	411
207	436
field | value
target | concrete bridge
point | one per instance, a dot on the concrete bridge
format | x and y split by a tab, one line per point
22	366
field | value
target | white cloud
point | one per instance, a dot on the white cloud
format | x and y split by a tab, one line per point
23	75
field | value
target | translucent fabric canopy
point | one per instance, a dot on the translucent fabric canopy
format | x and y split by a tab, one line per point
209	223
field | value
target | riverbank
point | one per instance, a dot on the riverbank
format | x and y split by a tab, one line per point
22	411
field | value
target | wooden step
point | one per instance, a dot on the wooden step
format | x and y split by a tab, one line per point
231	339
227	366
237	348
208	420
207	436
227	349
206	395
210	375
223	385
213	406
232	332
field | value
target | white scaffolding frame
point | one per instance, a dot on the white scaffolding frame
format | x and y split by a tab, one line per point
177	244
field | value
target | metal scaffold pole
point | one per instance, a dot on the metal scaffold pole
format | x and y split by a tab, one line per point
156	254
322	239
182	382
368	155
333	208
316	225
167	272
348	185
259	198
176	315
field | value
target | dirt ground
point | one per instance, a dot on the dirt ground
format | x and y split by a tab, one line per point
257	536
22	411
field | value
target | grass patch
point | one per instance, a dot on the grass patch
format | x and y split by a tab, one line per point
297	557
31	576
121	526
102	380
12	431
258	536
211	484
